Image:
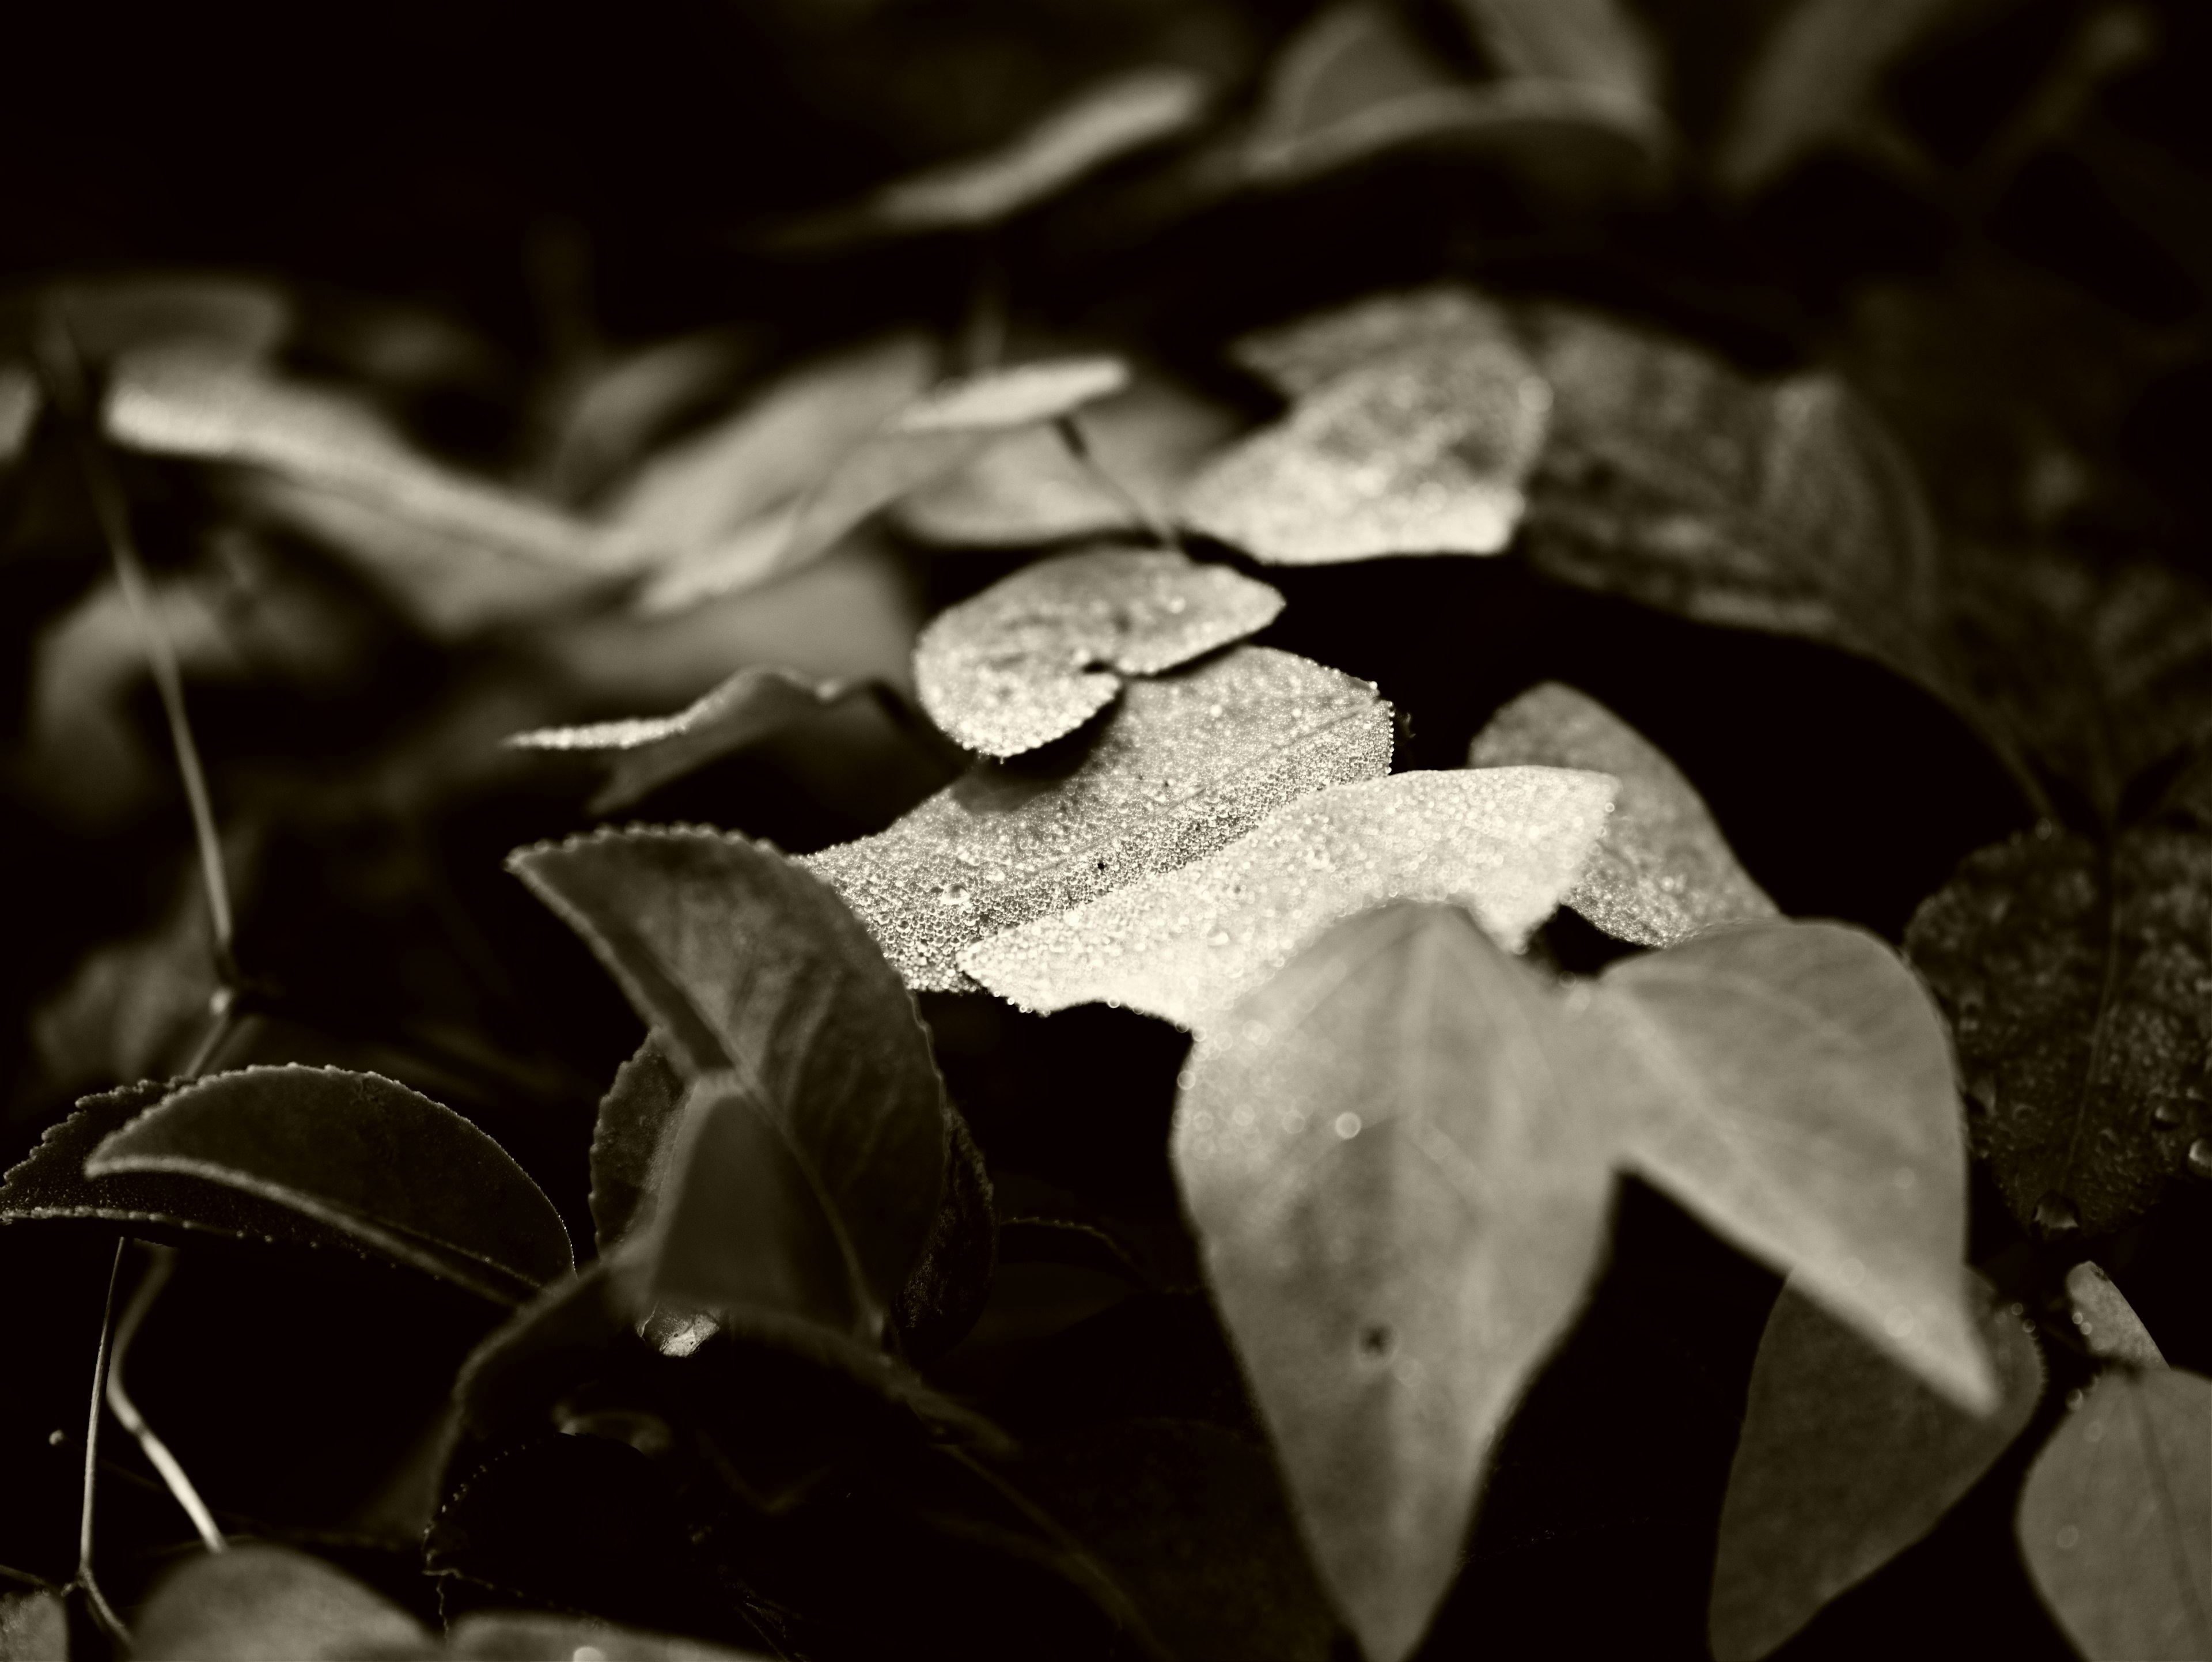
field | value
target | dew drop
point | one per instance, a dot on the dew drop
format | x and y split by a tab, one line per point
2069	1538
2166	1111
1899	1321
2095	1431
1853	1274
1905	1177
2073	1399
2200	1158
2055	1214
1185	1079
954	896
1347	1126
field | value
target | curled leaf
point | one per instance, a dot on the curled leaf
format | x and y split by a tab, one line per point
1036	654
1662	871
1504	843
2106	1320
1185	763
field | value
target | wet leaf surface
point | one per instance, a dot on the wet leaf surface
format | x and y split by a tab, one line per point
2107	1321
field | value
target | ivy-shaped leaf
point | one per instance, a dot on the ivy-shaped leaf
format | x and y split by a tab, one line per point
1505	842
1036	654
1845	1460
2107	1321
2116	1518
1402	1201
646	752
1662	871
358	1154
2075	988
1184	763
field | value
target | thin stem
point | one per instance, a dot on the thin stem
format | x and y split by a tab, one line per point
102	1611
224	1018
162	1262
39	1583
1078	445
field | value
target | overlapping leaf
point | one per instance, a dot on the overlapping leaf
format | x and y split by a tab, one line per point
1036	654
1184	764
1845	1461
1505	842
2074	984
1595	44
1662	871
1306	353
2107	1321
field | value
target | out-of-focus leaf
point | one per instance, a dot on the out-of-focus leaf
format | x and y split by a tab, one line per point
1505	842
227	317
1790	1084
133	1008
2075	987
20	403
649	752
2115	1519
609	419
2107	1322
745	962
1184	764
33	1628
361	1154
514	1636
1036	654
1307	353
1661	870
1846	1460
270	1603
1595	44
1401	1203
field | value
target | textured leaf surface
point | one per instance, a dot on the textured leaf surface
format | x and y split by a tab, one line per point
1505	842
2115	1519
2076	998
649	752
1400	1205
33	1628
1662	871
2107	1321
1845	1460
1790	1084
1306	353
632	1140
361	1154
1186	763
270	1603
1037	654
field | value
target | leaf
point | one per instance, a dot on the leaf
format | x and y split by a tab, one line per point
362	1155
1037	654
1845	1460
1789	1083
1661	870
235	318
2115	1519
1401	1204
1308	353
649	752
1186	944
514	1636
33	1628
632	1140
2107	1321
21	400
1596	45
1185	763
946	1296
2075	995
606	420
747	963
269	1604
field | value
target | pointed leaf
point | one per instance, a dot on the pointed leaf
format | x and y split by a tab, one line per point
1037	654
2115	1519
2075	993
1505	844
270	1603
1592	44
1662	871
1400	1206
2106	1320
1184	764
361	1155
1789	1083
1846	1460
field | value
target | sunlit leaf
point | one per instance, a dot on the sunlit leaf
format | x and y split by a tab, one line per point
1790	1084
33	1628
1505	842
2115	1519
1037	654
2107	1321
359	1154
1185	763
1662	871
1845	1460
258	1603
1401	1204
2074	986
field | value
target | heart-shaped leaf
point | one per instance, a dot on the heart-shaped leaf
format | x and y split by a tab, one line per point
358	1154
269	1604
1662	871
2107	1321
1036	654
1845	1461
1506	843
1790	1084
1184	763
1401	1203
2116	1518
2074	988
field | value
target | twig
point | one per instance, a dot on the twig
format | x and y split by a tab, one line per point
85	1582
1078	445
163	1263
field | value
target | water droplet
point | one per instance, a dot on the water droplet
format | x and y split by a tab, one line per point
1853	1274
56	1438
2095	1431
2069	1538
2073	1399
2166	1111
2200	1157
1347	1126
1905	1177
1185	1079
955	896
2055	1214
1899	1321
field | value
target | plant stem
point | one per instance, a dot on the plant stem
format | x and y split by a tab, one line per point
102	1611
162	1261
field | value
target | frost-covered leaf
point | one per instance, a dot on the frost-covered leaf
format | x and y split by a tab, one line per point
1037	654
1505	842
2115	1519
646	752
2107	1321
1401	1204
33	1628
359	1154
1790	1084
258	1603
1845	1460
2075	991
1185	763
1662	871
